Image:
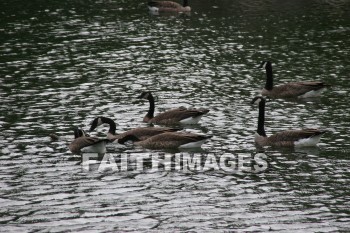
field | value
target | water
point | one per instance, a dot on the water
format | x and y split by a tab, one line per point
64	63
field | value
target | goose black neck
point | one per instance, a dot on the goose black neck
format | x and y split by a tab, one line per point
129	137
150	113
269	77
261	120
112	125
185	3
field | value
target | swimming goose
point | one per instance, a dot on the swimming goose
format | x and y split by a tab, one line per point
173	116
54	137
288	138
83	143
290	90
172	140
141	133
168	6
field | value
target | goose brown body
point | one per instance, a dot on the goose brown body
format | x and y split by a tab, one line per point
287	138
174	116
142	133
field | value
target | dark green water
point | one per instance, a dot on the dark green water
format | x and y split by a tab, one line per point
63	63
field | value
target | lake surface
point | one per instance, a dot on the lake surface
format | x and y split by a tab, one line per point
63	63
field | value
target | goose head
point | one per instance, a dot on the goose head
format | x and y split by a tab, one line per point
145	95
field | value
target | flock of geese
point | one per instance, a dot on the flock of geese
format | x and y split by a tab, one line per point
171	138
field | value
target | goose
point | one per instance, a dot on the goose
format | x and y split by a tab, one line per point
168	6
141	133
290	90
173	116
288	138
171	140
83	143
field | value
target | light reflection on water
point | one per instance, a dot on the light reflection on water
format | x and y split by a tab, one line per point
63	65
